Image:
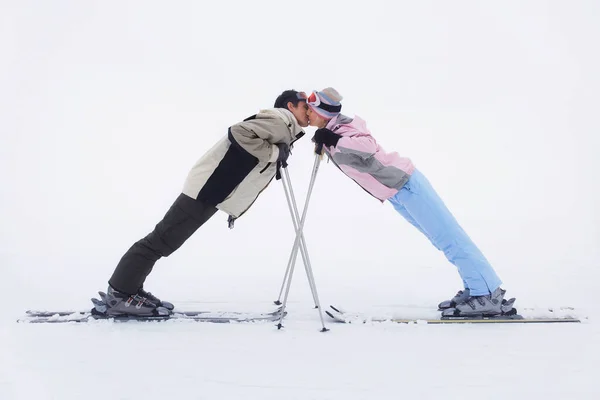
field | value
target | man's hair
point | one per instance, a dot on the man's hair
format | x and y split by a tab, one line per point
286	97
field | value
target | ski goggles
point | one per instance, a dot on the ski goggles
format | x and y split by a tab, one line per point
315	101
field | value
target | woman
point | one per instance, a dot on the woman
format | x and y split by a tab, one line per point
387	176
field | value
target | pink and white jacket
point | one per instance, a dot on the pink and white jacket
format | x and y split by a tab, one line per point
359	156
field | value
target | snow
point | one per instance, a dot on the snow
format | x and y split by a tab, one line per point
104	107
206	361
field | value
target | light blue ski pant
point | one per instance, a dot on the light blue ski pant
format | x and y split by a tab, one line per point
418	202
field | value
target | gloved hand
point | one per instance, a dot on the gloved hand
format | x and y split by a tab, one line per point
324	136
284	153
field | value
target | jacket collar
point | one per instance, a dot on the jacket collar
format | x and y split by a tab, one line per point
287	117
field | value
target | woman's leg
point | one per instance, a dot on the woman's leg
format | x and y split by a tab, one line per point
428	211
402	211
397	204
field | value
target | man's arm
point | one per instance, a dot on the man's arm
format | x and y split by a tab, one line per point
255	137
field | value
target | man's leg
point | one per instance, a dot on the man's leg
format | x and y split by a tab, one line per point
184	217
427	209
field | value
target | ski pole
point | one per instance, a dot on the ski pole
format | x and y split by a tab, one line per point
297	246
304	251
293	207
319	152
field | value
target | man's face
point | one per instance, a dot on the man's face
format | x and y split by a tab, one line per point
300	112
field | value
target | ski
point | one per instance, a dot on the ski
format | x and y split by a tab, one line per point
200	316
338	315
35	313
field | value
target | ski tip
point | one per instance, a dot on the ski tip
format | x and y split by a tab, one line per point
335	318
335	309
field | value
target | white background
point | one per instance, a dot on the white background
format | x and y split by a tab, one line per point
105	106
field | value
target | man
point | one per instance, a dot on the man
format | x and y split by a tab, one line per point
229	177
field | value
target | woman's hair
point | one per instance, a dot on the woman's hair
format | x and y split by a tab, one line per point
287	96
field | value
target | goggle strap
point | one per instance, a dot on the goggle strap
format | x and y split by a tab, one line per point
330	108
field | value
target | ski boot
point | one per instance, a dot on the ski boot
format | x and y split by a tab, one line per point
489	305
119	304
461	296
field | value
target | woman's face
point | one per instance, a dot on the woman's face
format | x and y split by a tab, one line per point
315	119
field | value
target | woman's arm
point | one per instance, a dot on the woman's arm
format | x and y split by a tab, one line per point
363	146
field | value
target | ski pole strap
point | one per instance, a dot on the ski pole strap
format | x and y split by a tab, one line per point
280	164
230	221
319	149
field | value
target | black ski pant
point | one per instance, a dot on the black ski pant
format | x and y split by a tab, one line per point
184	217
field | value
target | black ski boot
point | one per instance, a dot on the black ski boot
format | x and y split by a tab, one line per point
168	305
119	304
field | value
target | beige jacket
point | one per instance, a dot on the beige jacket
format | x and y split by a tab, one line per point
239	167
